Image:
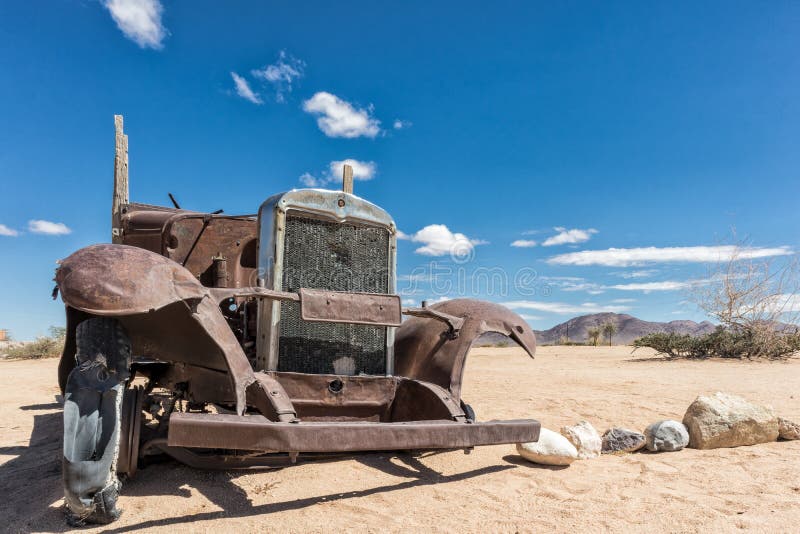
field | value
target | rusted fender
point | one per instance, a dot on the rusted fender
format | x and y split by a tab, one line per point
425	351
123	280
167	313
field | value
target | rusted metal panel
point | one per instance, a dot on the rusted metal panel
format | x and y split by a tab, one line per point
357	308
339	397
258	433
425	348
195	239
123	280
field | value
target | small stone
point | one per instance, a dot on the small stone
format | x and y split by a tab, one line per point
666	435
622	440
787	429
724	420
585	439
551	449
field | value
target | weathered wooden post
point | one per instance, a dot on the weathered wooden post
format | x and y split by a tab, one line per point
347	179
120	199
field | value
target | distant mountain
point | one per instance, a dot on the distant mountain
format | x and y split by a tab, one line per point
628	329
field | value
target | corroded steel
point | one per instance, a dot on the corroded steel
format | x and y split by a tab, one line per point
189	287
259	433
425	349
356	308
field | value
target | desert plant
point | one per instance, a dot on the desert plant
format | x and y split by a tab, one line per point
609	329
722	343
49	346
593	335
756	301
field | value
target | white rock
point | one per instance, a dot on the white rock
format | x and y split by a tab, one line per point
724	420
551	449
585	438
666	436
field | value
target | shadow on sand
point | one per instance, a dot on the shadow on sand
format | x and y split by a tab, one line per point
219	488
31	482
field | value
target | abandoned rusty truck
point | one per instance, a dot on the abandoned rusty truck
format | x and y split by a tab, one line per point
229	341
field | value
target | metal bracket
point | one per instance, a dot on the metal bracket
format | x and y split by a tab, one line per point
454	323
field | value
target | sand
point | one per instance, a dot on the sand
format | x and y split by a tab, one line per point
755	488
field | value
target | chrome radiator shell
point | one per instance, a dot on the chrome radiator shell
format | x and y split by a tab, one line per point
327	207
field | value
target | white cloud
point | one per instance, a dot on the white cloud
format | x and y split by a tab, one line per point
563	308
784	303
400	124
309	180
438	240
626	257
415	277
562	278
567	283
589	287
569	237
524	243
243	89
531	317
139	20
652	286
8	232
338	118
38	226
282	74
623	301
409	302
643	273
402	235
362	170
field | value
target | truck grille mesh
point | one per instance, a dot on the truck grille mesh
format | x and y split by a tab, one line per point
343	257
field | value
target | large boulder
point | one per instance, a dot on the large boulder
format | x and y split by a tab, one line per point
724	420
585	439
551	449
622	440
666	435
787	429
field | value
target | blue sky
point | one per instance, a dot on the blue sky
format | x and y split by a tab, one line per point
580	126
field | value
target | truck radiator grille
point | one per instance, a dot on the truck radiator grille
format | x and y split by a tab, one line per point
342	257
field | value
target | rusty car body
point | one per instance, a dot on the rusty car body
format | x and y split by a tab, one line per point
239	341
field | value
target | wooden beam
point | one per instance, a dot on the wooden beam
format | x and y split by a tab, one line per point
120	199
347	179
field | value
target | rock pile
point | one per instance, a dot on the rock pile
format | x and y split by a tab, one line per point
710	422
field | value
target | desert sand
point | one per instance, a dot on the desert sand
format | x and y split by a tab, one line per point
755	488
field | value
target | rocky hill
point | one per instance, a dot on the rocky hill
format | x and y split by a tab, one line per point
628	329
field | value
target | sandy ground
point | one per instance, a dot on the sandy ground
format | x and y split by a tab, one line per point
754	488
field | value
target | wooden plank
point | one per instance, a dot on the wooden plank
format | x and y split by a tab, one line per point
120	199
347	179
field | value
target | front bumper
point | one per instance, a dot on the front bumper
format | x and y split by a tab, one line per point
257	433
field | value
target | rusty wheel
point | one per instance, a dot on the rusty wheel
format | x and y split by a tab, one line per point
128	459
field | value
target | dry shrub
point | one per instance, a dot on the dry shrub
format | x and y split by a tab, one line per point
50	346
742	343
